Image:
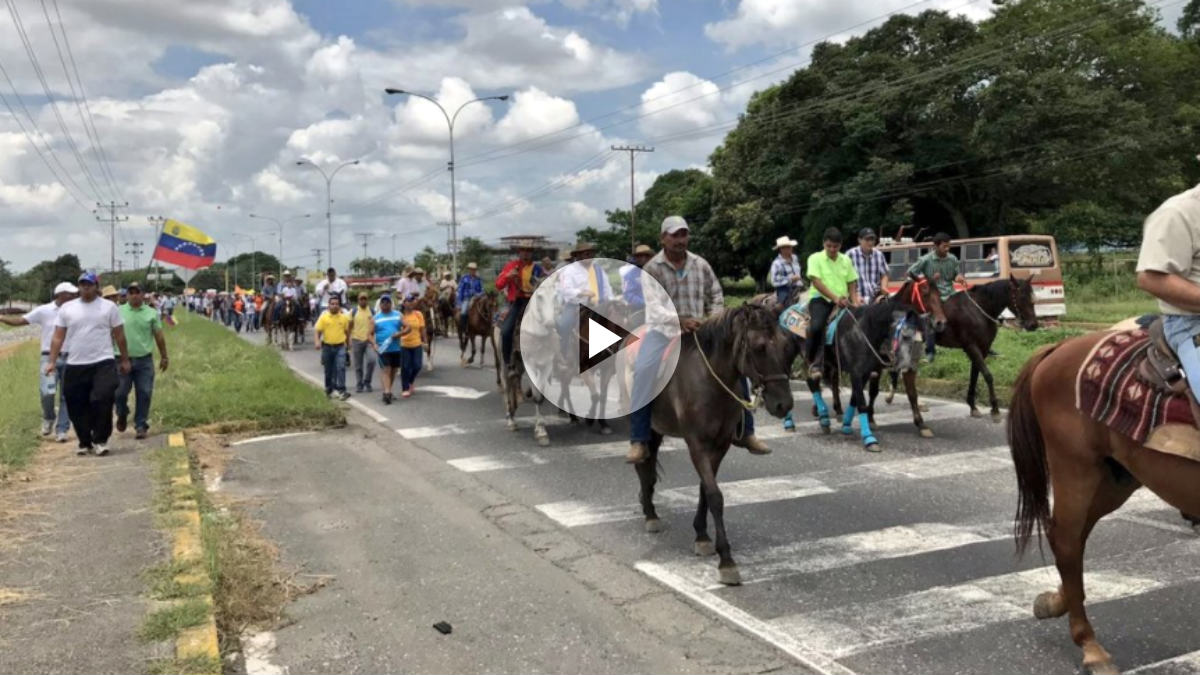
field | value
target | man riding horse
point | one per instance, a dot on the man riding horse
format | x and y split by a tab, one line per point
696	293
517	280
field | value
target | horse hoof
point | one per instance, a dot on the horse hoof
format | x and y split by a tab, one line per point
888	399
1049	605
996	416
926	432
873	447
847	431
825	427
704	548
606	430
975	413
512	425
730	576
543	440
653	525
1102	668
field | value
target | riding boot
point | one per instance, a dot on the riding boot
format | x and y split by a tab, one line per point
638	453
753	444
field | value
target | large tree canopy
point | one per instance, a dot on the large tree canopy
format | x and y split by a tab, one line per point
1064	116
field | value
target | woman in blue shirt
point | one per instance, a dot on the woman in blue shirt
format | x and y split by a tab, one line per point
387	344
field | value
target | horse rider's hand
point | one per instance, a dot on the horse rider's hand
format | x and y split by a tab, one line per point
689	324
842	302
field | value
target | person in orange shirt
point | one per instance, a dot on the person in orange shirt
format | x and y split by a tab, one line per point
412	339
239	312
258	310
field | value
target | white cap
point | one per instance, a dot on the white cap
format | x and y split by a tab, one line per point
673	224
65	287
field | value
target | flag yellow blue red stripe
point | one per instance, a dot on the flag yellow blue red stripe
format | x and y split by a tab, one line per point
183	245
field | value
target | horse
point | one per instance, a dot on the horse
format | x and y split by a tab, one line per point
290	324
515	389
597	379
699	405
770	301
922	297
444	311
1092	469
479	323
426	305
972	320
867	340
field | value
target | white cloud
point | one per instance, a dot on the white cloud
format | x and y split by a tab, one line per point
777	23
535	113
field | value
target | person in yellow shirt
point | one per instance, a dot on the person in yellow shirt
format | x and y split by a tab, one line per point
333	333
412	339
362	331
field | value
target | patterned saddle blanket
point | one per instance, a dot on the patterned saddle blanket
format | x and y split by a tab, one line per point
1110	390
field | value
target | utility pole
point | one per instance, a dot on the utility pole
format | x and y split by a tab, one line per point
134	248
159	222
112	219
366	238
632	150
317	252
393	247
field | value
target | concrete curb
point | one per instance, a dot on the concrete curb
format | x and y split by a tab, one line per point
197	642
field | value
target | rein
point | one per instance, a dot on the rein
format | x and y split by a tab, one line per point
858	327
754	401
970	297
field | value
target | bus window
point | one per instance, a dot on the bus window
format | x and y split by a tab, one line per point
976	264
899	262
1027	254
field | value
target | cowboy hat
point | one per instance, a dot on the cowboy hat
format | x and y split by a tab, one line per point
785	241
418	270
643	249
582	247
472	266
109	290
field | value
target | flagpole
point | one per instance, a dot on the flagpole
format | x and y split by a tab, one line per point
162	224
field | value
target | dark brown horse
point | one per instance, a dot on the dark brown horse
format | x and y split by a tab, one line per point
1092	471
444	312
698	407
290	326
972	320
480	323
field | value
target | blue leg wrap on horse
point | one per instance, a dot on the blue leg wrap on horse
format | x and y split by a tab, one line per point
847	419
822	409
788	422
864	426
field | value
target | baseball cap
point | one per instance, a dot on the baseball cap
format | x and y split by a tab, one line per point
385	297
867	233
88	278
133	286
66	287
673	224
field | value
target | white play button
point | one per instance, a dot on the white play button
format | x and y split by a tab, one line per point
599	338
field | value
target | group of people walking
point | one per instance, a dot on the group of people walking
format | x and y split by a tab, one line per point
95	351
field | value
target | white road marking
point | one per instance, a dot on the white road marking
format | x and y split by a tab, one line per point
782	640
454	392
362	407
490	425
850	629
1184	664
519	460
805	422
258	648
272	437
820	555
577	513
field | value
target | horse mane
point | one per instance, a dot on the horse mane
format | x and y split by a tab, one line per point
994	291
876	319
718	329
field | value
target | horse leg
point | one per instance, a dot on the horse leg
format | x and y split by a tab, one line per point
605	380
703	546
858	404
910	388
872	394
1080	498
539	427
707	465
822	410
648	476
893	379
833	376
972	386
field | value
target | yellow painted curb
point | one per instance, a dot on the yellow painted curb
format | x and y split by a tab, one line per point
187	547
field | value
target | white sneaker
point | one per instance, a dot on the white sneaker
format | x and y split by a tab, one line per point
46	427
100	449
60	437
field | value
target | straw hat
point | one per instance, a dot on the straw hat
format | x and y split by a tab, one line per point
109	291
643	249
418	270
785	241
583	247
472	266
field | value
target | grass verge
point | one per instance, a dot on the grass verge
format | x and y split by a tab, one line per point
223	383
20	411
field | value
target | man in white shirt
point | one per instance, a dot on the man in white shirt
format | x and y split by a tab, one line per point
49	385
412	282
328	287
89	326
585	283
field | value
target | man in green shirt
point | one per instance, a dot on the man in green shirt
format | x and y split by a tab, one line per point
941	267
143	330
834	284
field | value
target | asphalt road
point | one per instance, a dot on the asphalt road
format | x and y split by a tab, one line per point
898	562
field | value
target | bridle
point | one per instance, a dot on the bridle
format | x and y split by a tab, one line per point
758	381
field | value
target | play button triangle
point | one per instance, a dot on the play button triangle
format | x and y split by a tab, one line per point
599	338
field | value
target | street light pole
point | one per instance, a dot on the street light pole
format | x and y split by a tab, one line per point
279	224
450	120
328	195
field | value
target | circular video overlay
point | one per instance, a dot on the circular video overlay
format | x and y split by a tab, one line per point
599	338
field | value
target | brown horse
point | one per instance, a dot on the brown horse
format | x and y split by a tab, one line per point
1092	470
697	406
444	312
426	305
480	323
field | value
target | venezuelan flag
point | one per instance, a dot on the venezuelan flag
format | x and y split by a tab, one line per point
185	246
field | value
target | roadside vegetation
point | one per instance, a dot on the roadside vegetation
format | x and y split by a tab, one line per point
20	412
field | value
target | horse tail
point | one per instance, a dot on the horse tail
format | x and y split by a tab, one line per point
1029	456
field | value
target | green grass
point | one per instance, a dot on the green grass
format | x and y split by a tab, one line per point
20	409
949	375
168	622
217	378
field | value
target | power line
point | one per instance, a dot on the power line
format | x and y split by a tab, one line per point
632	150
41	76
85	110
112	219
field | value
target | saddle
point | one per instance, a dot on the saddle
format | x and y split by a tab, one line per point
796	319
1161	368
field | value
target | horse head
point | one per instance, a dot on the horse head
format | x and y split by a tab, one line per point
1021	302
763	354
922	295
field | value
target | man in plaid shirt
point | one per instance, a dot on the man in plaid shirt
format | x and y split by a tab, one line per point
696	293
870	264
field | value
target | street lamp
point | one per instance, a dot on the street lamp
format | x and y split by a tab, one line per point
279	224
450	120
328	194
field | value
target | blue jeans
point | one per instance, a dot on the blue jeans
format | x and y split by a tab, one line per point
1180	330
510	326
62	422
410	366
782	294
141	380
333	357
645	369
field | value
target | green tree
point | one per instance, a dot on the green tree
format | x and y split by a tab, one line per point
37	284
472	249
7	283
1189	20
429	260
